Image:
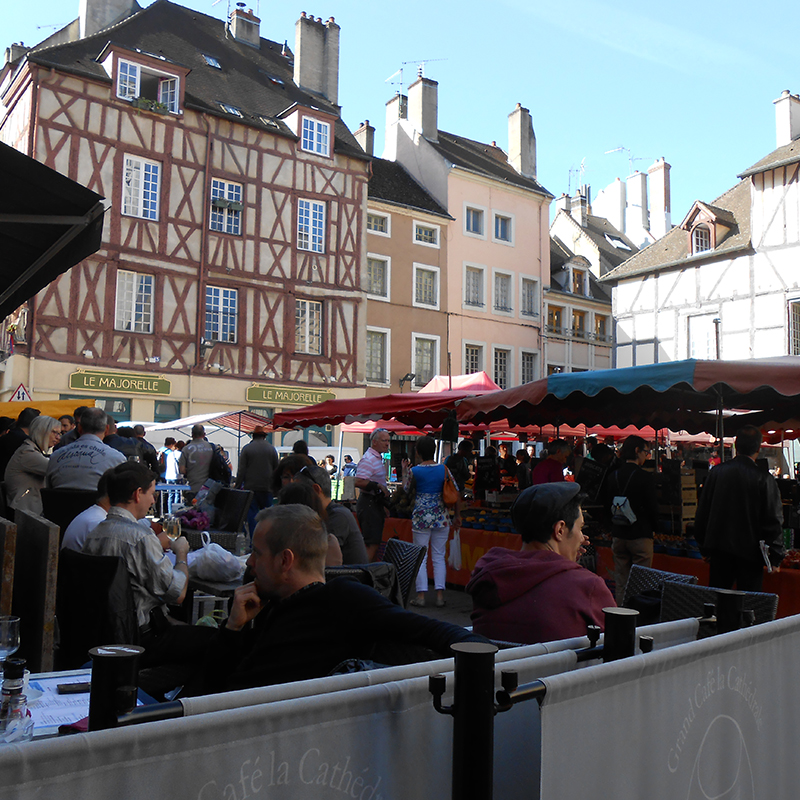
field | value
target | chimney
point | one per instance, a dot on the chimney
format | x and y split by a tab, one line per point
365	136
636	209
579	206
245	26
95	15
660	218
15	52
423	107
787	118
611	202
522	142
396	109
316	56
563	203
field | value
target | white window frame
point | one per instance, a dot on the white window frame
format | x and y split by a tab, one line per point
418	384
480	346
467	306
705	228
793	326
386	217
127	317
308	303
226	219
484	217
709	351
129	84
437	283
512	224
133	197
428	226
315	136
562	328
221	314
537	300
509	276
536	356
387	298
509	351
307	239
387	356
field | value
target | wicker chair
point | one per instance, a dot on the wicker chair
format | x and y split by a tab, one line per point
681	601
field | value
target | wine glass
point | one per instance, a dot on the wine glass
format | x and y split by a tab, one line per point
9	636
172	528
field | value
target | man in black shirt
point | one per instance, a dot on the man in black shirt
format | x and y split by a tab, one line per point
303	627
740	505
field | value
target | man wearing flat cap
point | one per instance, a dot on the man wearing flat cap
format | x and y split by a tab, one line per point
539	593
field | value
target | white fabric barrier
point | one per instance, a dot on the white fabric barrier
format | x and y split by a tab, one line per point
709	719
343	735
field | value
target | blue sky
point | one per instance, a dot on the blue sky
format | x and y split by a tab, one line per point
691	82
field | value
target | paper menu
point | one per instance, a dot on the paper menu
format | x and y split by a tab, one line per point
52	709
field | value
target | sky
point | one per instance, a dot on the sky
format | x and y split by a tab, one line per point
690	82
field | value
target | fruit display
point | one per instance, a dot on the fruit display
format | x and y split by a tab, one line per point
791	560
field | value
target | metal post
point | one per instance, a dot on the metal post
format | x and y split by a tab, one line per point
115	675
620	638
729	610
473	721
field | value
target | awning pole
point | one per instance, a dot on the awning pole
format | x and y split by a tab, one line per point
340	479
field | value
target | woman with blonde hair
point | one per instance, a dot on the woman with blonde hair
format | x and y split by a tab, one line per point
24	475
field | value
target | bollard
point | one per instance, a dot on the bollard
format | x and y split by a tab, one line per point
473	721
729	610
115	676
620	637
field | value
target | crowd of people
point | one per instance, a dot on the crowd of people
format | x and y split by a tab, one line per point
286	622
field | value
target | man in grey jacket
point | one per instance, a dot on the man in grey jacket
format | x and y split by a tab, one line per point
257	461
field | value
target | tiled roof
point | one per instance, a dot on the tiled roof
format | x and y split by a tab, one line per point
486	159
672	250
560	254
259	82
787	154
597	229
392	184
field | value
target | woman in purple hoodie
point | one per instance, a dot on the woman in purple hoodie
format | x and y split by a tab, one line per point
539	593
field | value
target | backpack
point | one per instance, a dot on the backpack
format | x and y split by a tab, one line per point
219	470
621	511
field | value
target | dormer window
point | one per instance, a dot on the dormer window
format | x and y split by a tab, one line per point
578	282
701	239
316	137
135	81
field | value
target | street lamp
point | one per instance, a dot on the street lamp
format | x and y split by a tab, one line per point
409	376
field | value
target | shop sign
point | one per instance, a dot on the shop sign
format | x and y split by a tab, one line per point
130	383
269	394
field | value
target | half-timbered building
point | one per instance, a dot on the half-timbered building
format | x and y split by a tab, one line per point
725	282
230	271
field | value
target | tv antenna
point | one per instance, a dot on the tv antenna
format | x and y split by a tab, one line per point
631	158
420	62
581	171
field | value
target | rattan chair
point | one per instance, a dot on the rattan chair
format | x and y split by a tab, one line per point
407	558
682	601
646	579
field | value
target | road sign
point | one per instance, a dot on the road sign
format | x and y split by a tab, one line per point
21	394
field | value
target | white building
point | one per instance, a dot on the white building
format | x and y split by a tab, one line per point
728	276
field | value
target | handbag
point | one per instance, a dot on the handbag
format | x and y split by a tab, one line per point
454	556
621	511
450	493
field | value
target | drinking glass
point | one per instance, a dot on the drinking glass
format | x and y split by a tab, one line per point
172	528
9	636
